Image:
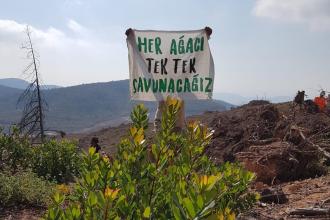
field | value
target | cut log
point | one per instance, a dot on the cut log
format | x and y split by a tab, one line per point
311	212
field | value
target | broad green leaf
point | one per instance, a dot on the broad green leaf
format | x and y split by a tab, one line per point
176	213
212	180
189	206
154	150
146	212
91	150
92	199
200	202
58	198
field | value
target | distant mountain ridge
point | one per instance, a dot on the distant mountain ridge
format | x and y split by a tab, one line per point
22	84
237	99
89	106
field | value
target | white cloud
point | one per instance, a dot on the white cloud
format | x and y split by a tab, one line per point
314	13
13	32
75	26
65	58
11	26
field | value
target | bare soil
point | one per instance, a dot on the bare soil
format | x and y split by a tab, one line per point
22	213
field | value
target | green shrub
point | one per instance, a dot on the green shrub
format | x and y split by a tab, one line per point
56	160
24	188
15	151
168	179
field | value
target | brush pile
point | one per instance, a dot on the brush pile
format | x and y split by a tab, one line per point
278	142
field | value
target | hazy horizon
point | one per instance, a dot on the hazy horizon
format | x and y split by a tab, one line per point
261	48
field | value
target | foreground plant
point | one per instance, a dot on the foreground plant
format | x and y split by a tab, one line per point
166	178
23	187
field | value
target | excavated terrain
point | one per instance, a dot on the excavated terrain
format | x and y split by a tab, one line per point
289	150
278	142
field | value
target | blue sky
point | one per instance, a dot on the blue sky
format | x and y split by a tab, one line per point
260	48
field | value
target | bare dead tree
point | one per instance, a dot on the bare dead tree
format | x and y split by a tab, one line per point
32	121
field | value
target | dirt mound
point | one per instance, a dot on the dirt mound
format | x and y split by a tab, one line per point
277	142
281	162
258	102
236	130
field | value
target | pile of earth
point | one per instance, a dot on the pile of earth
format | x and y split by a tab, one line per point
278	142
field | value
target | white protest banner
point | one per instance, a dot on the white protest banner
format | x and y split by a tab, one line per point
175	63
